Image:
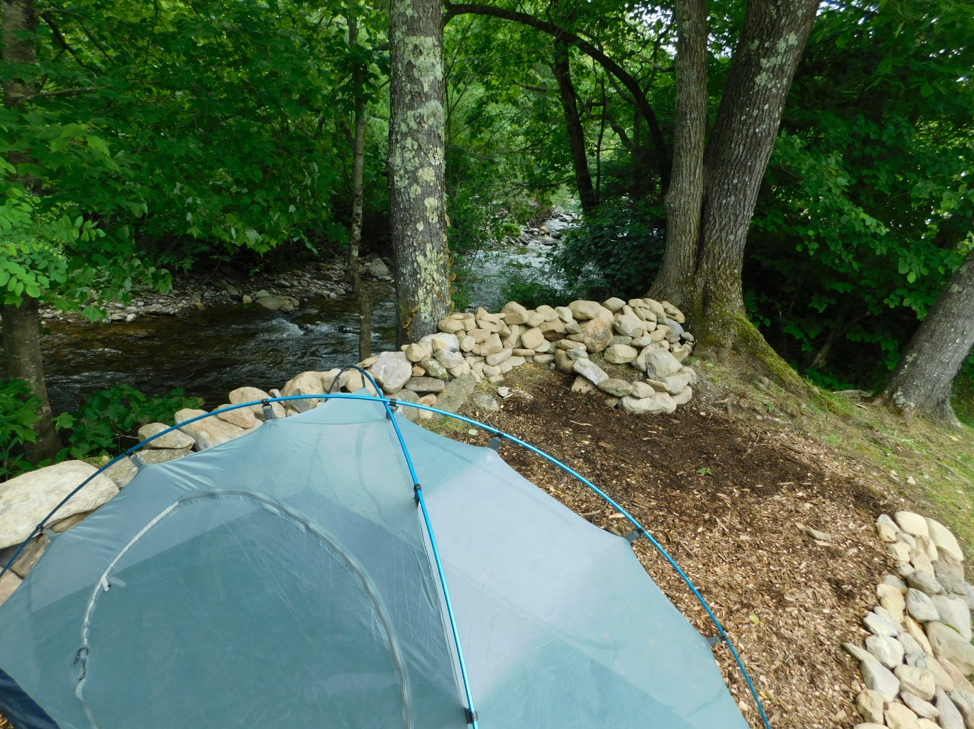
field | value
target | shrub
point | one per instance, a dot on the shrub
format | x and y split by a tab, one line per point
18	413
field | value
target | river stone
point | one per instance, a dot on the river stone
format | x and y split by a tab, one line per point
584	310
888	651
495	359
123	470
614	304
392	370
917	681
378	269
660	402
514	313
927	724
955	613
964	700
900	551
869	703
950	716
583	386
30	555
449	359
407	412
253	394
947	643
924	581
416	352
948	578
629	325
918	706
8	583
456	393
684	396
675	327
353	381
657	363
891	599
590	371
279	303
483	403
912	523
920	606
615	386
888	616
165	456
887	528
916	632
944	539
870	725
620	354
208	432
921	563
306	383
928	547
175	439
547	312
441	340
241	417
595	334
899	717
425	384
26	499
879	626
879	678
451	325
532	338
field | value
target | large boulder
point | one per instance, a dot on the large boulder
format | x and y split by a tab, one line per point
27	499
948	643
584	310
657	363
595	334
392	370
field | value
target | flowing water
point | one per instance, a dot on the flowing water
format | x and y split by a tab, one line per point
208	353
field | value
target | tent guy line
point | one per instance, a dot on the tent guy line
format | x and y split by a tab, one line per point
391	405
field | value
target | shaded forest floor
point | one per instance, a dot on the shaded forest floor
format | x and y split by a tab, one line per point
730	485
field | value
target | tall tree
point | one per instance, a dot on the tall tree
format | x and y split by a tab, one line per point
922	381
573	124
416	166
21	322
358	171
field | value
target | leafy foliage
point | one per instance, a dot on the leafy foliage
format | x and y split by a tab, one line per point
107	417
18	413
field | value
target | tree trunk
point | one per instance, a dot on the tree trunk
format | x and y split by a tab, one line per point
922	381
573	124
22	350
416	166
684	199
355	238
21	324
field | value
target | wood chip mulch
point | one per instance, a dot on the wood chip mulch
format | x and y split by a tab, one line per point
733	502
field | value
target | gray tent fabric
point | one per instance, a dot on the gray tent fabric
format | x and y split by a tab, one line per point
285	579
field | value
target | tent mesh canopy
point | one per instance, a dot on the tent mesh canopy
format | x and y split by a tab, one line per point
287	579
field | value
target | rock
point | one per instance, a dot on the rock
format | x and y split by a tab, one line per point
615	386
451	325
912	523
927	724
684	396
675	384
555	330
955	613
307	383
926	545
620	354
887	528
585	310
378	269
449	359
879	678
657	363
456	393
532	338
917	681
950	716
253	394
408	396
123	470
920	606
916	632
590	371
417	352
659	403
944	539
924	582
514	313
595	334
888	651
483	403
441	340
547	312
900	551
642	390
30	555
564	363
629	325
894	581
165	456
860	654
28	498
921	563
8	583
948	578
947	643
353	381
888	617
495	359
940	675
175	439
964	701
392	370
879	626
544	359
614	304
918	706
279	303
949	561
425	384
565	314
892	599
869	703
208	432
870	725
241	417
899	717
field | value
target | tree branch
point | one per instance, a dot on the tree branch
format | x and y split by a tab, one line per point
627	80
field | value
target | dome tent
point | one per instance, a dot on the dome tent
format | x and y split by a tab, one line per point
297	577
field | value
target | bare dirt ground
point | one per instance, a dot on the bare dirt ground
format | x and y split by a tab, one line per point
732	500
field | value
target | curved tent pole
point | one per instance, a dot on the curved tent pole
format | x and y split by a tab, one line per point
390	404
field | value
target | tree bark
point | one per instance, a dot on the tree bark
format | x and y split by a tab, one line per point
416	166
21	324
355	237
922	381
684	199
573	124
22	350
